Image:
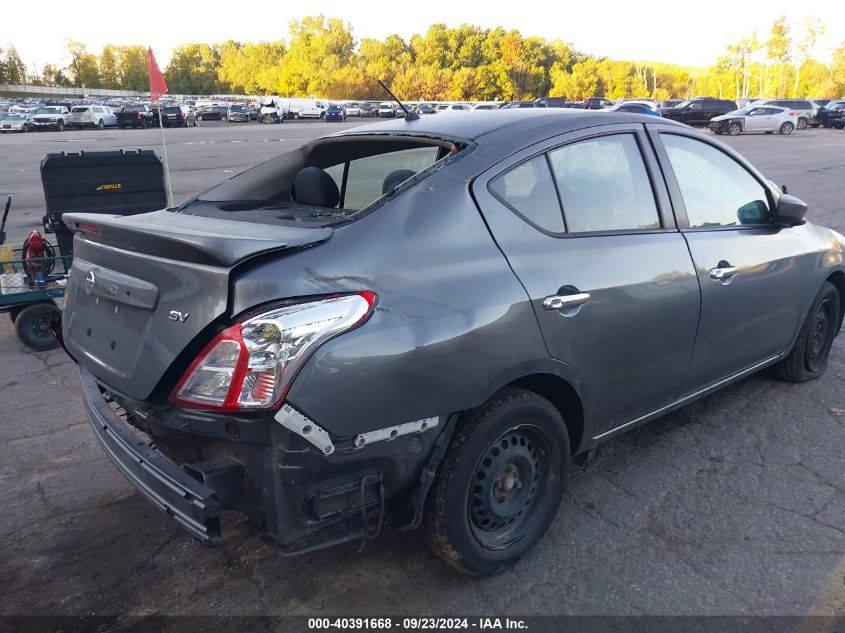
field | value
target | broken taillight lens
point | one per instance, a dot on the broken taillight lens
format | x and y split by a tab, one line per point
251	364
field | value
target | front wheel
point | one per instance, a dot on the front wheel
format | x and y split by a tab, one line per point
500	484
60	126
809	355
32	326
787	128
734	129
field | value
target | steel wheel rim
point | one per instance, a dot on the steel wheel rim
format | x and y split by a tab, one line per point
38	328
821	336
508	487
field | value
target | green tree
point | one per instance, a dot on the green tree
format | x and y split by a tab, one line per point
15	70
109	67
83	66
813	29
193	70
777	49
133	68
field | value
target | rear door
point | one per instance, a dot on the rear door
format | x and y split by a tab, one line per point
610	279
752	282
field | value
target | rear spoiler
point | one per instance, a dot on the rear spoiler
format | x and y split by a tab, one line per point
191	238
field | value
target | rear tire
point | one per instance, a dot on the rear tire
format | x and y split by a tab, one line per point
802	123
786	128
31	326
499	485
809	356
60	126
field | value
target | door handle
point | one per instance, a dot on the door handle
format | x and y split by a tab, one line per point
562	302
724	272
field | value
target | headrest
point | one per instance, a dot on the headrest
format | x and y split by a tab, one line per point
396	177
315	187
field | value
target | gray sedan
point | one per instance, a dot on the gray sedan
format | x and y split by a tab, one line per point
424	322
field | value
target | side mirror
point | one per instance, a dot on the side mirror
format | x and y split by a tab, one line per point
790	210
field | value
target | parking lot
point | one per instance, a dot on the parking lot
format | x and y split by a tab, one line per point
734	505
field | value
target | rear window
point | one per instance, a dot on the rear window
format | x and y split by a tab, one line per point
133	109
80	109
171	110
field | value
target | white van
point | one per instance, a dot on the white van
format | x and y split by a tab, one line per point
307	109
92	116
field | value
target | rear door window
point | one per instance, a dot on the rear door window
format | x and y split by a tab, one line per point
529	190
717	191
604	185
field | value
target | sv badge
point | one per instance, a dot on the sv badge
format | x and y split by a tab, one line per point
175	315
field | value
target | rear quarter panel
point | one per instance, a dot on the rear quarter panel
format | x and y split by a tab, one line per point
452	323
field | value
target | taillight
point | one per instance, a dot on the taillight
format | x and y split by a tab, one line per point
791	114
252	364
138	115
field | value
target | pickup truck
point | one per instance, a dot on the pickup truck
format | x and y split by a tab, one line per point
51	117
135	116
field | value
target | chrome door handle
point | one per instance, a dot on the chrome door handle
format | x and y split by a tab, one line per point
562	302
723	274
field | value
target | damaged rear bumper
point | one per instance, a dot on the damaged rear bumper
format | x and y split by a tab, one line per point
192	503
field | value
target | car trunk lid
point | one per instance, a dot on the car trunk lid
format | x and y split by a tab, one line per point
143	287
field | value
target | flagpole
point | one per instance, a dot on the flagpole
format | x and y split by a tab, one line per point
166	161
158	87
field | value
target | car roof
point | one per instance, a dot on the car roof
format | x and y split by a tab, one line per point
478	123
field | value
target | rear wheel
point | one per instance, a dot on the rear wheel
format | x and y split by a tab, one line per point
101	125
809	355
32	326
802	123
500	484
734	129
60	126
787	128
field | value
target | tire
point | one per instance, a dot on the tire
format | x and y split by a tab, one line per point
500	484
31	326
60	126
101	125
296	116
809	356
802	123
121	126
26	128
839	126
734	128
199	118
786	128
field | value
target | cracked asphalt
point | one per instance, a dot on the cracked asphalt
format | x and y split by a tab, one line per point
734	505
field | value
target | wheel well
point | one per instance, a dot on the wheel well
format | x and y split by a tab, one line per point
838	280
565	399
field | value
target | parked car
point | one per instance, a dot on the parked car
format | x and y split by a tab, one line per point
237	113
212	113
175	116
632	107
369	109
804	109
454	107
486	106
334	112
755	118
669	103
386	110
698	111
522	104
427	108
597	103
134	116
254	110
51	117
15	122
832	114
353	109
448	378
552	102
307	109
651	103
97	116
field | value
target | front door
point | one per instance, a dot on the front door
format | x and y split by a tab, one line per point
610	278
749	270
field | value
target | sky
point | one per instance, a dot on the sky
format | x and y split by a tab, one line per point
690	34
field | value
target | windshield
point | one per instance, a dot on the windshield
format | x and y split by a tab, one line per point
334	108
238	108
12	117
48	111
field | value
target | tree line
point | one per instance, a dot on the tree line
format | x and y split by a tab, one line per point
322	57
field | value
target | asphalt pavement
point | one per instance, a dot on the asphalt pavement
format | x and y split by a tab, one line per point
734	505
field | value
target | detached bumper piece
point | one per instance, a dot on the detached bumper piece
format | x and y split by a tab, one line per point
192	503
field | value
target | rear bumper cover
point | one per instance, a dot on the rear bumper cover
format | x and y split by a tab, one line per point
193	504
